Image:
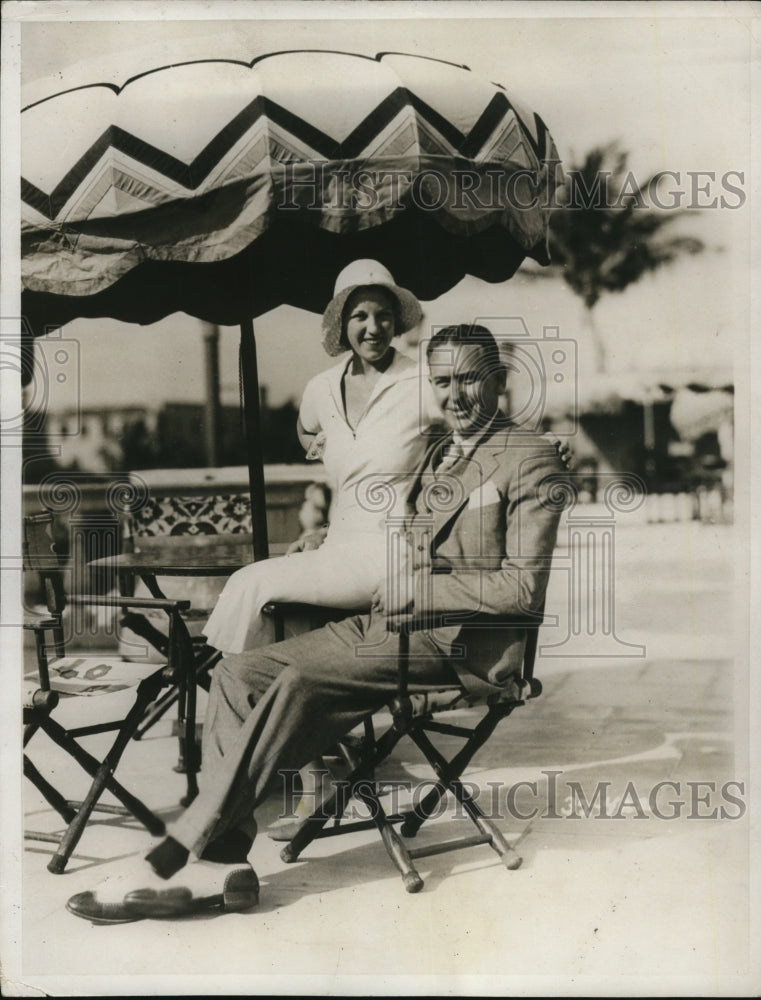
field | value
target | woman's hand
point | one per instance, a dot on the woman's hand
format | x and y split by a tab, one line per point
316	448
307	542
387	604
565	454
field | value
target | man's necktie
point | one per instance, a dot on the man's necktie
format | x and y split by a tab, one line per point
452	454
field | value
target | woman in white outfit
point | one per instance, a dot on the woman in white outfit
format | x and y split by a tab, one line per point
369	418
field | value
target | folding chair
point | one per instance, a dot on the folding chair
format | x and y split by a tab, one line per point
418	716
84	677
182	544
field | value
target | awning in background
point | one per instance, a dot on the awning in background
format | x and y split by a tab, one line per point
697	412
702	399
225	189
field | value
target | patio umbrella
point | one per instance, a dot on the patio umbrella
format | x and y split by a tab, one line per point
225	189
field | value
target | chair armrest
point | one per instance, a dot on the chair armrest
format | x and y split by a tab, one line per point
310	616
144	603
282	607
410	622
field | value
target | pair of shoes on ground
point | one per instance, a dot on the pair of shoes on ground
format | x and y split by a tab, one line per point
137	893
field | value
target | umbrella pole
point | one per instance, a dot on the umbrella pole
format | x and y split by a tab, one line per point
211	403
253	439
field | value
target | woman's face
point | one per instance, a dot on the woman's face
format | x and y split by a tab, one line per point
370	324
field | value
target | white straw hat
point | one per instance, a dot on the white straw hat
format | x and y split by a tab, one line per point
361	274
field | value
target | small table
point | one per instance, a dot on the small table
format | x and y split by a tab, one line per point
174	560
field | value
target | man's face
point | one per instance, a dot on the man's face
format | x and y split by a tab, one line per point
465	386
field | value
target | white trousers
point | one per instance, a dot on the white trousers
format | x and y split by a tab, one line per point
337	575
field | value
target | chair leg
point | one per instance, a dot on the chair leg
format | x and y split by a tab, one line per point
59	642
177	646
76	828
51	795
445	772
361	758
204	665
182	660
448	773
310	828
363	755
155	712
42	656
102	775
367	794
414	819
510	857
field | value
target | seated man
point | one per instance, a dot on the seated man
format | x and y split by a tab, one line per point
478	499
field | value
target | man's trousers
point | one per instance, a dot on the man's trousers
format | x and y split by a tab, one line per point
279	707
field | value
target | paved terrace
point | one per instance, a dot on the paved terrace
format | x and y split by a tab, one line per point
599	904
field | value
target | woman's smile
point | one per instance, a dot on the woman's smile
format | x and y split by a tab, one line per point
370	323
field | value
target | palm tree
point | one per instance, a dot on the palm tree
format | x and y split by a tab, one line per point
606	237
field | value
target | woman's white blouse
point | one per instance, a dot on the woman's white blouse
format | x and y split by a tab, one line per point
369	467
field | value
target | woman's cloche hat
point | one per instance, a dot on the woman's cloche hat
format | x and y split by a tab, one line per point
360	274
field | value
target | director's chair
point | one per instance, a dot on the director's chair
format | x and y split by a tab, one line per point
84	677
421	717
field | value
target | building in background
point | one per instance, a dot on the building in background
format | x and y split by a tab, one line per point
675	430
119	439
103	440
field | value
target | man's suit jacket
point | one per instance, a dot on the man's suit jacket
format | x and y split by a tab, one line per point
483	534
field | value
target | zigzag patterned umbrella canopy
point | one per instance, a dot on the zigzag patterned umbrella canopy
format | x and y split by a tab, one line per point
225	189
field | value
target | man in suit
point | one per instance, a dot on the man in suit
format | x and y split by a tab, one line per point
480	530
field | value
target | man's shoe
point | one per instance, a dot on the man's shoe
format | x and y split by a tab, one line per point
199	887
90	907
105	903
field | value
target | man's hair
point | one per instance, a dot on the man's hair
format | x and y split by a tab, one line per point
467	334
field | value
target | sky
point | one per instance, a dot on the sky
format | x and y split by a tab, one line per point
673	90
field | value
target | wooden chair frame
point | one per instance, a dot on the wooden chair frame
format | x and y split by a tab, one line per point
41	700
415	716
145	532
